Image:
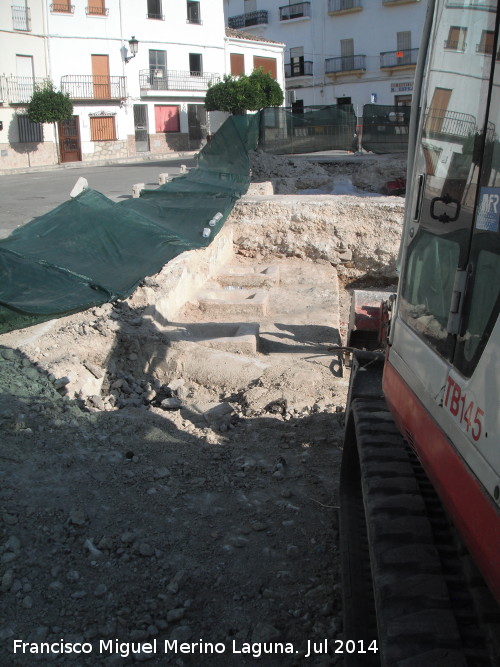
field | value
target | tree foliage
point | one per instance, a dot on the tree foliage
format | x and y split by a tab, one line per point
244	93
47	105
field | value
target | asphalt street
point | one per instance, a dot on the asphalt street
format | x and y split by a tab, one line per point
29	195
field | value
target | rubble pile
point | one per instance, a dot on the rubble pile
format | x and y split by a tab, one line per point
292	175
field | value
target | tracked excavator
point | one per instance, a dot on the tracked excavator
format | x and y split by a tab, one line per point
420	477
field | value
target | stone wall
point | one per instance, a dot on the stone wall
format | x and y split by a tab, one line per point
106	150
25	155
165	143
360	234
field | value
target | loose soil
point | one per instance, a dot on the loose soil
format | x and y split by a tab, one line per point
176	502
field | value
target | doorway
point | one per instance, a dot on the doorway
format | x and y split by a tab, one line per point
69	140
100	77
402	100
197	125
141	128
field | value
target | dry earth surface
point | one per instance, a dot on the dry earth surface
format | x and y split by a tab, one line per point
192	499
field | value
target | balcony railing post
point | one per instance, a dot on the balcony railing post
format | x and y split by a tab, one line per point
259	17
19	90
90	87
21	18
343	5
161	79
354	63
392	59
295	11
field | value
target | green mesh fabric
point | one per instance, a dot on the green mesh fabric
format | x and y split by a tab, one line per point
324	128
385	128
90	250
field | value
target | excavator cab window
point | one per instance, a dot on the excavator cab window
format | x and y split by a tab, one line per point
482	297
457	161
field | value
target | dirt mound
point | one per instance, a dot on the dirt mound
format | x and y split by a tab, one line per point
293	175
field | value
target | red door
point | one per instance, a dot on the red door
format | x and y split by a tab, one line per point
69	140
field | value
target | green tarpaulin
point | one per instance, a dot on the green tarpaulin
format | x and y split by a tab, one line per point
91	250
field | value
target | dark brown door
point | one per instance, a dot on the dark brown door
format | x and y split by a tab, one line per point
69	140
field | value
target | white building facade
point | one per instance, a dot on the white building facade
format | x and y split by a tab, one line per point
339	51
126	104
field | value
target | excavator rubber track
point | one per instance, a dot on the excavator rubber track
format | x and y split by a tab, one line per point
407	581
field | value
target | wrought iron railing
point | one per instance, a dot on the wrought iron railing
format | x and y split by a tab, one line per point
19	89
398	2
163	79
398	58
484	47
62	8
97	11
90	87
343	5
489	5
298	69
451	123
251	18
21	19
455	45
295	11
345	64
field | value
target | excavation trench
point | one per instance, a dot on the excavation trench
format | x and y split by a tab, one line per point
170	462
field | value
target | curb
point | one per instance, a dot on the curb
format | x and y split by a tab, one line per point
161	157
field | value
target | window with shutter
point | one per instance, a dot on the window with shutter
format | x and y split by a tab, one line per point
97	8
237	64
267	64
29	132
102	128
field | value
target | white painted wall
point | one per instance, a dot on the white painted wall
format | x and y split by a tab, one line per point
62	45
249	48
373	29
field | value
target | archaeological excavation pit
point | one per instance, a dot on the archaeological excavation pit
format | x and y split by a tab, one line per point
239	338
249	276
232	302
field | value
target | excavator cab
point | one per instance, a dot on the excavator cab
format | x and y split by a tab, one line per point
423	419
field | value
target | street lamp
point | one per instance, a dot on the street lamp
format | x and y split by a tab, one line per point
134	47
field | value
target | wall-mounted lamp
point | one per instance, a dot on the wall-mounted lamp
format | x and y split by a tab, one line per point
134	47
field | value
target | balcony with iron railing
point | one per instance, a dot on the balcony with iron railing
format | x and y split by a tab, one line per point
299	10
485	47
62	8
304	68
336	7
345	65
488	5
246	20
20	89
403	59
449	123
392	3
157	80
97	11
455	45
98	87
21	18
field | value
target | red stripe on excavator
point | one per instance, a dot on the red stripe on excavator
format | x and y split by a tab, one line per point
472	511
